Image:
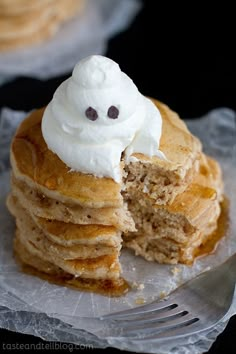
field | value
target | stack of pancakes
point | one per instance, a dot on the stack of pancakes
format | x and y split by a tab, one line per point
70	225
26	22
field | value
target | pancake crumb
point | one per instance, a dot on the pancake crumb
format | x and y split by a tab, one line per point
141	287
162	294
140	301
138	286
175	270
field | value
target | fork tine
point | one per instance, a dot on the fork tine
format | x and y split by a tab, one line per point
170	323
189	328
153	306
157	315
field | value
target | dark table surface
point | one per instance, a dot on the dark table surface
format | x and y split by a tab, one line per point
183	58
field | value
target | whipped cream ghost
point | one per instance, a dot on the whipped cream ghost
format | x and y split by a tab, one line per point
97	114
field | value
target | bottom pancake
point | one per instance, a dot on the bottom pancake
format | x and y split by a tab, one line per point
34	265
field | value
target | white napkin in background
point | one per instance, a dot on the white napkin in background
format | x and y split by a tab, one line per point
31	305
82	36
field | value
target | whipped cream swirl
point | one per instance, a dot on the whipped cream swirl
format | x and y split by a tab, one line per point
97	114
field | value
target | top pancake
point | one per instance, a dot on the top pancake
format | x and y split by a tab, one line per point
179	146
40	168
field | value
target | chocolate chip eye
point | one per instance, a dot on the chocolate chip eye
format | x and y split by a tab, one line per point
91	113
113	112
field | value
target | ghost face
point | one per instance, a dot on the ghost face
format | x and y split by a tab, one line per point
112	113
104	105
98	104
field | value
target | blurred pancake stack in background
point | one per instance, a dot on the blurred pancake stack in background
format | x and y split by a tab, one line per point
26	22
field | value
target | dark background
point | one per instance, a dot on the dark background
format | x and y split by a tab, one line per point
181	56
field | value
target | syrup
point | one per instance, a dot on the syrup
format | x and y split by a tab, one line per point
210	245
106	287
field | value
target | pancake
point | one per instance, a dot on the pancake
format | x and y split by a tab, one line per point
33	265
166	251
68	234
22	25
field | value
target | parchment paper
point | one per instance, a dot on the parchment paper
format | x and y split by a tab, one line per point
84	35
30	305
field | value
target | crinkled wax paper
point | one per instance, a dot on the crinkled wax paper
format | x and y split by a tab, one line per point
84	35
31	305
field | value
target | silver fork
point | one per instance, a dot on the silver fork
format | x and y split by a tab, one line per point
196	306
